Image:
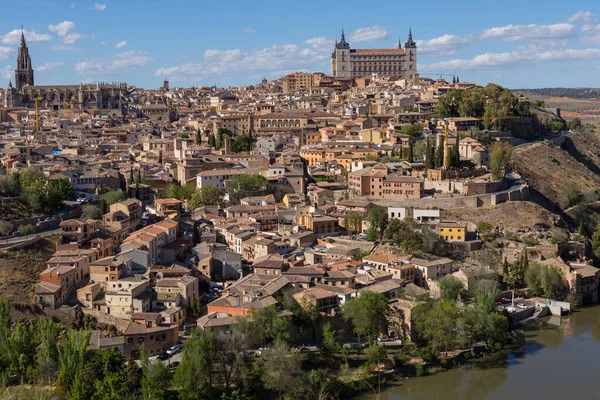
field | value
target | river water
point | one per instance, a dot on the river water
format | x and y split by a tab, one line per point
560	360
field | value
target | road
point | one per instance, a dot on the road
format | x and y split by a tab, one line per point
18	239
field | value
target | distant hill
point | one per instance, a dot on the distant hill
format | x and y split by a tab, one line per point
574	93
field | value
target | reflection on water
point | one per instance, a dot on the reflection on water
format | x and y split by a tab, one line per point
557	362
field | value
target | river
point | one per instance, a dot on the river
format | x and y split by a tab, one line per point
560	360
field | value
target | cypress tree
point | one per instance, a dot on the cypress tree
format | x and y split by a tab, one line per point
409	153
428	155
400	151
103	207
130	175
198	137
212	141
439	155
139	176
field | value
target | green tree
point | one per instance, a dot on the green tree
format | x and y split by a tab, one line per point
376	355
5	227
20	351
194	376
438	159
26	230
113	196
91	211
155	381
71	353
331	339
409	152
413	130
242	143
47	353
206	196
435	325
112	387
231	355
244	185
212	141
282	368
353	222
450	287
198	137
372	157
500	153
472	103
378	218
575	124
449	103
104	209
596	242
368	313
267	325
570	196
484	227
63	189
428	155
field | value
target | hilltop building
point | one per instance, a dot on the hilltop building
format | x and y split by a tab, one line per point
24	93
400	63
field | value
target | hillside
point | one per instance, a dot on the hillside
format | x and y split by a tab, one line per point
555	172
20	269
514	215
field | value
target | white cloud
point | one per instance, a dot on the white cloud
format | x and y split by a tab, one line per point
515	58
591	34
121	44
248	30
72	5
320	43
71	38
103	43
14	37
370	34
124	60
7	72
49	65
512	33
5	52
583	17
444	45
99	7
217	63
62	28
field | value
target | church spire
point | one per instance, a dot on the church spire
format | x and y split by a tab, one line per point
410	43
23	44
343	36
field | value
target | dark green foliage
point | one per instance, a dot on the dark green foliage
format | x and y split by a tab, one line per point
368	313
243	143
244	185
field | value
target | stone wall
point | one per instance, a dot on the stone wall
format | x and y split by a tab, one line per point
120	323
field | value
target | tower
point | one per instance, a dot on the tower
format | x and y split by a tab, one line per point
165	85
24	71
410	48
340	59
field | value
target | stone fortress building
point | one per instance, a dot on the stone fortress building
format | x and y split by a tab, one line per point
399	63
96	96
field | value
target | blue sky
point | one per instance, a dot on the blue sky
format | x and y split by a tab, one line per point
513	43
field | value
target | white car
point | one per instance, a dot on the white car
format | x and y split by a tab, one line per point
174	349
522	306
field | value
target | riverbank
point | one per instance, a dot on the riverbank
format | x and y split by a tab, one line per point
558	360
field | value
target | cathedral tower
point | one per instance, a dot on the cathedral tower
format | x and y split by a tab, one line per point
24	71
340	59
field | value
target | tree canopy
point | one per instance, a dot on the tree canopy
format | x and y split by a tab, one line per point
368	313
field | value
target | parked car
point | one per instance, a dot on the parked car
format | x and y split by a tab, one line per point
522	306
163	356
383	339
174	349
